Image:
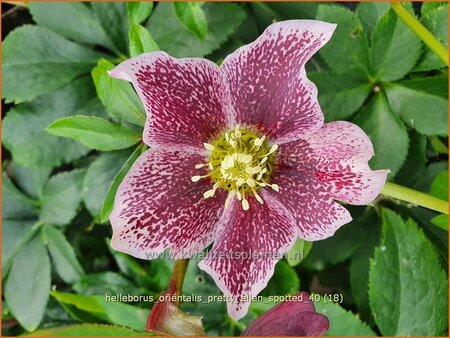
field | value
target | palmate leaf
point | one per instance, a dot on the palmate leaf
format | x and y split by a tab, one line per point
349	37
408	288
37	61
28	284
340	95
421	103
387	133
394	49
99	177
370	13
63	255
61	197
223	19
23	127
15	234
73	20
30	180
113	17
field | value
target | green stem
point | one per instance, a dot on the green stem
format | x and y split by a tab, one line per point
177	278
424	34
412	196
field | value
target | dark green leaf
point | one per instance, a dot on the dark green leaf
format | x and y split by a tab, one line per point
141	41
109	199
340	95
395	48
415	165
139	11
30	180
61	197
99	177
95	133
337	248
63	255
294	10
360	262
28	284
15	234
109	311
73	20
422	103
342	322
15	205
118	97
370	13
114	20
90	330
436	20
223	19
348	46
283	282
408	289
106	283
130	267
24	126
37	61
388	135
191	16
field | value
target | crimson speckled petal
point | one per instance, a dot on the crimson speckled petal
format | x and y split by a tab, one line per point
186	100
268	82
262	236
289	318
157	207
317	215
338	156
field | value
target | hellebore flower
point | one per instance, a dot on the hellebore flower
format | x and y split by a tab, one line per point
294	317
239	156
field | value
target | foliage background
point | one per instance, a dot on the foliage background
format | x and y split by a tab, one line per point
389	264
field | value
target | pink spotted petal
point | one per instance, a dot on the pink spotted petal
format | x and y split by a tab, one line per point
338	156
290	318
247	246
157	207
186	100
268	82
318	216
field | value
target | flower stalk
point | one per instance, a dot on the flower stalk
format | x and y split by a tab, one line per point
177	278
412	196
424	34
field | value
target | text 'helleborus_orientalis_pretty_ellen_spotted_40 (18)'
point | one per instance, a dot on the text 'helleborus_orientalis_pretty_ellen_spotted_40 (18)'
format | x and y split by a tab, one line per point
240	157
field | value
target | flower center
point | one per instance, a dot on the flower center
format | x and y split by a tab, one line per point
241	162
